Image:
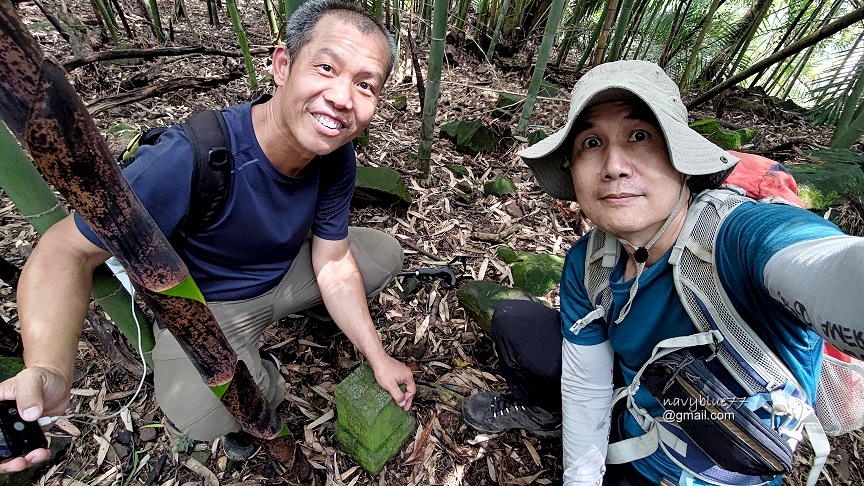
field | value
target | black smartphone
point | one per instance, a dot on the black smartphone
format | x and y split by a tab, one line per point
18	437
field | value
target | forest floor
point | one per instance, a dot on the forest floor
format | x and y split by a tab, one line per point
429	331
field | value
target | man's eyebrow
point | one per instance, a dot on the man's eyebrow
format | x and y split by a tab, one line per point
326	51
580	126
643	114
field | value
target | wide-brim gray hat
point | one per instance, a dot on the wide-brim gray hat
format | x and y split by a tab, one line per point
690	152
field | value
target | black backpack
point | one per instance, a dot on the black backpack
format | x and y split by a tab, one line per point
211	174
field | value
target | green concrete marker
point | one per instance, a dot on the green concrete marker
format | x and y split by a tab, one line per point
370	426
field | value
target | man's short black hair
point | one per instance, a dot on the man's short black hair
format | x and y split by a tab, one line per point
301	25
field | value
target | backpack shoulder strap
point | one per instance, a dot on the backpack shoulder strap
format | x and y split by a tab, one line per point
600	258
750	361
211	173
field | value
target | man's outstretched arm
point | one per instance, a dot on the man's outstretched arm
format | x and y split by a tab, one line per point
341	287
53	298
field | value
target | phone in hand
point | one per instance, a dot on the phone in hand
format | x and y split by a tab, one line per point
17	436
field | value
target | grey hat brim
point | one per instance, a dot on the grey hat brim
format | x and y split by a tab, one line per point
689	151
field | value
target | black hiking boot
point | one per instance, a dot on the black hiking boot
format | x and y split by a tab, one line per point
239	446
493	413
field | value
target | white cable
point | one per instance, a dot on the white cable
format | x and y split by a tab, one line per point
43	421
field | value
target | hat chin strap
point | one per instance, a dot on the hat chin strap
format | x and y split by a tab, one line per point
641	253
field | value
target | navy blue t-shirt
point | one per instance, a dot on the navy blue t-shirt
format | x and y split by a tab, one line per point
267	215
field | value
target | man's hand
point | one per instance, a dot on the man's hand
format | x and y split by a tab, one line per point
39	392
390	373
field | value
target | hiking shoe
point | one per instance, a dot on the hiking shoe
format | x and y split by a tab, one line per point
239	446
493	413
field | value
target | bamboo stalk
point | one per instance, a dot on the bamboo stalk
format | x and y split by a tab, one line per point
47	116
433	88
552	22
244	44
20	180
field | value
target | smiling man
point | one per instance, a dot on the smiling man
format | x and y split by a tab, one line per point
281	245
629	158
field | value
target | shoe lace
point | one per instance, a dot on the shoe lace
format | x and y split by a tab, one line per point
504	404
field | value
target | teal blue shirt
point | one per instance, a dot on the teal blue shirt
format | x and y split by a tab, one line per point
748	238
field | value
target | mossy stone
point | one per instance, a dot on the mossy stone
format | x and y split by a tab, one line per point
534	273
381	185
470	136
499	186
370	426
823	185
479	299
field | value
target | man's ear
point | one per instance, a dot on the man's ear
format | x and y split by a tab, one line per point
281	64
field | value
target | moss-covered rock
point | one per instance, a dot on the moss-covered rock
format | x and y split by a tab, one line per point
479	298
499	186
728	139
838	156
470	136
370	426
823	185
534	273
381	186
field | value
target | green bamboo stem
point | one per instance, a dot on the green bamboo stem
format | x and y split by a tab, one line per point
47	116
433	88
20	180
592	42
620	29
271	19
552	22
498	25
105	13
157	22
694	52
479	27
244	44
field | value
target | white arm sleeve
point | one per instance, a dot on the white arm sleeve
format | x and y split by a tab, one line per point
586	393
821	281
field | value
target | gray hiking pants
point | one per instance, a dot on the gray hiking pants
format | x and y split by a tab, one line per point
181	393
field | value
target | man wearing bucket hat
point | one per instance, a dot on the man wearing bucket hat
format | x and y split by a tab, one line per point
628	157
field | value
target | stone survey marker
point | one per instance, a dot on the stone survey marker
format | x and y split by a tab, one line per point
370	426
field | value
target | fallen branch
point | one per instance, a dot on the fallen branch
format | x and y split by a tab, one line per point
114	54
420	250
430	392
189	82
794	48
497	237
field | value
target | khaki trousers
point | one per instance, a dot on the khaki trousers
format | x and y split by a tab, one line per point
181	393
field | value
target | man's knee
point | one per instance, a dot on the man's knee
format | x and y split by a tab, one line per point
512	317
379	257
